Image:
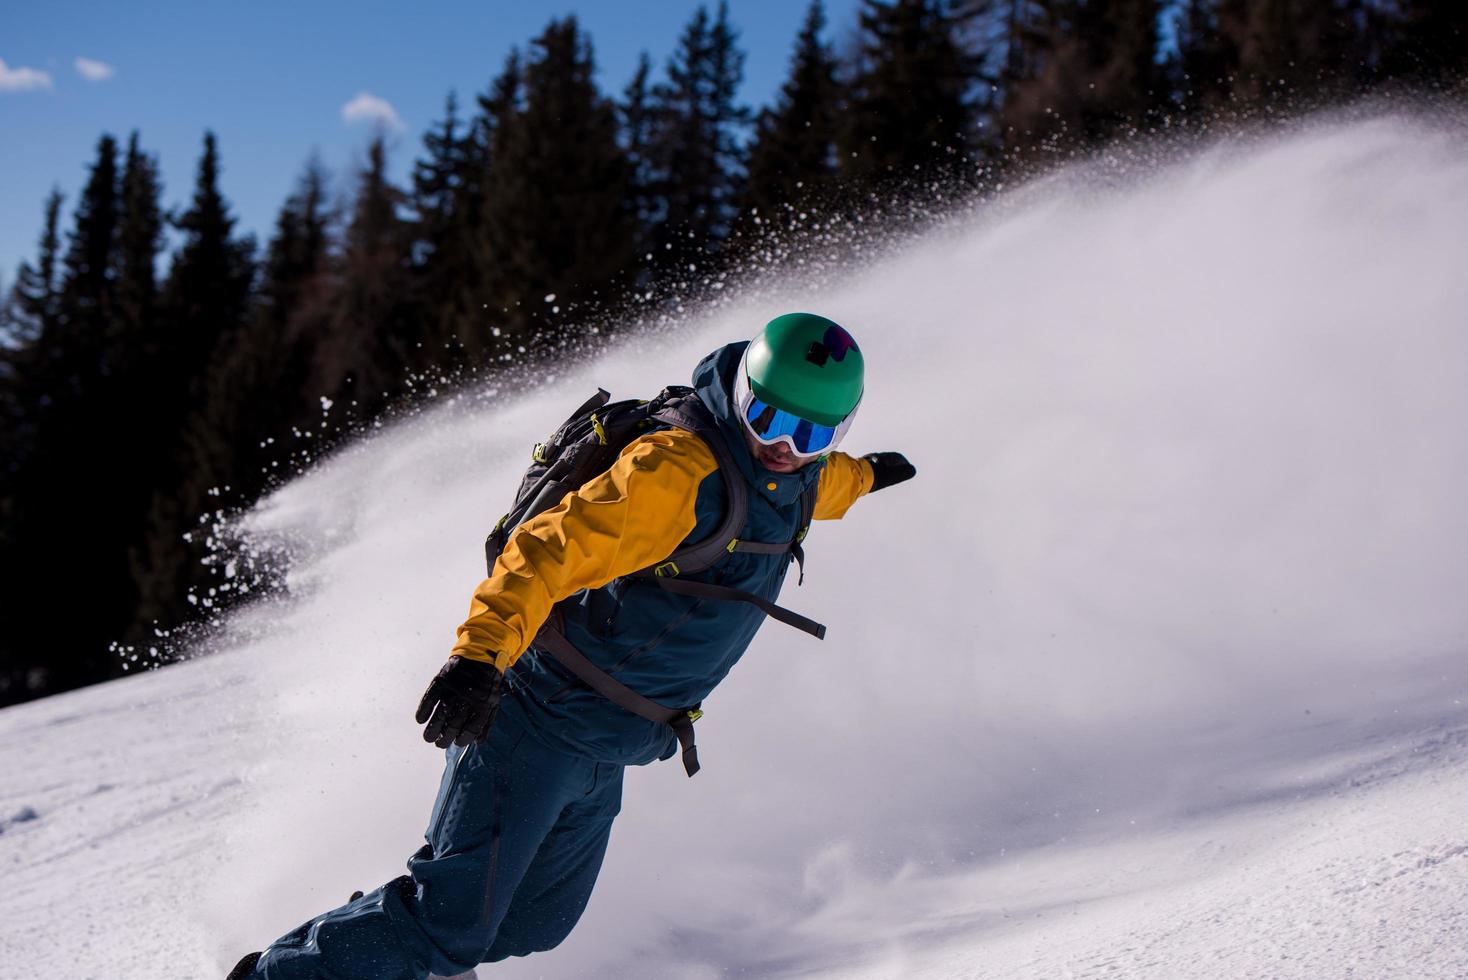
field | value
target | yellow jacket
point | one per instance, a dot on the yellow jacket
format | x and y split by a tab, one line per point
625	520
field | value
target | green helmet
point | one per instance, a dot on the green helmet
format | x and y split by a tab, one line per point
806	365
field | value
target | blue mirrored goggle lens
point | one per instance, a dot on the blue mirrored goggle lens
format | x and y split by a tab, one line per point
770	423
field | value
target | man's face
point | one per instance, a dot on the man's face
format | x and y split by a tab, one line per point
777	458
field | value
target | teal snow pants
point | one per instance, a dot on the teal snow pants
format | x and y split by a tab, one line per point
515	841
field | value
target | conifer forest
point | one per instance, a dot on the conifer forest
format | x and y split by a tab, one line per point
160	370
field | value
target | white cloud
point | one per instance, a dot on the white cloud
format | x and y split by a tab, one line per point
369	108
21	79
93	71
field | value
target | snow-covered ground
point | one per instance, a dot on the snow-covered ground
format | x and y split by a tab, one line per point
1157	670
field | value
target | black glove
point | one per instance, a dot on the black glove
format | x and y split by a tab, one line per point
889	468
460	703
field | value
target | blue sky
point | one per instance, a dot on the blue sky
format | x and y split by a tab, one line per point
273	79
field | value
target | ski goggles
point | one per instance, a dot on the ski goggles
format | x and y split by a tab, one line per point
770	425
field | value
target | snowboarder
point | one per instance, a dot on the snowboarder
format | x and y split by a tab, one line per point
605	621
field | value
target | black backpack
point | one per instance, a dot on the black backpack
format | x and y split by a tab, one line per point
586	445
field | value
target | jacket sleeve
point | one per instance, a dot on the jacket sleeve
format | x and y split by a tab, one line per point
626	519
843	479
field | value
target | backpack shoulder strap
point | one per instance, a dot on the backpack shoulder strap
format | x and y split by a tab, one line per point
807	515
688	412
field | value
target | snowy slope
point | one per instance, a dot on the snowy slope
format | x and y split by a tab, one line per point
1157	670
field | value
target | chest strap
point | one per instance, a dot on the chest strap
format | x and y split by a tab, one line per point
707	590
793	548
666	575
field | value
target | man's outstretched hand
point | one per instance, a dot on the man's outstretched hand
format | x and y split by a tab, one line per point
889	468
460	703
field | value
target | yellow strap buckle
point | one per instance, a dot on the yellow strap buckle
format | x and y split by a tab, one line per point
733	544
537	455
695	714
601	430
667	569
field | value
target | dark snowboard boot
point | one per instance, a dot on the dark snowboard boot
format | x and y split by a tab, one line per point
244	967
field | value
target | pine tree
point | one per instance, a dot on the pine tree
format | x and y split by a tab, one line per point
910	112
696	147
131	395
31	323
203	308
475	288
129	411
56	490
297	269
36	294
504	100
556	216
87	293
794	153
436	179
259	393
257	411
71	482
635	115
731	121
258	415
208	288
442	250
363	360
32	327
139	240
297	261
